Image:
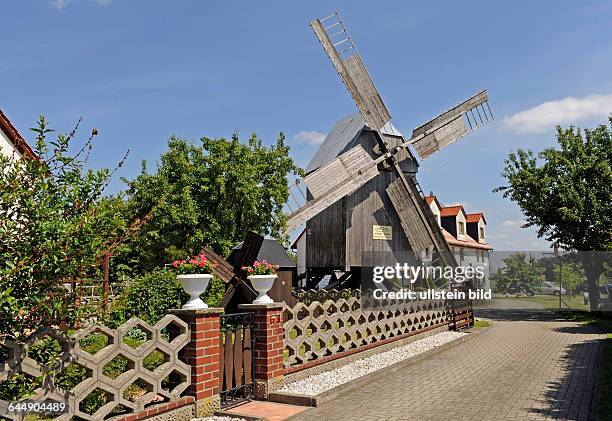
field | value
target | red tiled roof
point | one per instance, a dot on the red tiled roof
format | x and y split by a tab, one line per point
469	242
11	132
475	217
451	210
431	198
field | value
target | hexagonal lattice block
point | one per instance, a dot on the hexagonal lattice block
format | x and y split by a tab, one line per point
326	326
294	332
136	337
156	360
119	369
311	329
303	350
174	383
139	391
302	314
173	330
331	308
287	314
94	342
73	375
97	403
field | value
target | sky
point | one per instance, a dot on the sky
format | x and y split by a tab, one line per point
141	71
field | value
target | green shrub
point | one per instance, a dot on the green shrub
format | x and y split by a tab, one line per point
151	295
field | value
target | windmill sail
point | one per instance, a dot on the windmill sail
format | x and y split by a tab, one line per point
337	43
451	125
333	181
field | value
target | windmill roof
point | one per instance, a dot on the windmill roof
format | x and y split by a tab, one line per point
271	251
342	137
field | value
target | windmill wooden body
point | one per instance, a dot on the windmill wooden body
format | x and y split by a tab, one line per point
362	191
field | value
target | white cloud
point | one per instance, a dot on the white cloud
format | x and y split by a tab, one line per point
60	4
63	4
513	223
565	111
310	137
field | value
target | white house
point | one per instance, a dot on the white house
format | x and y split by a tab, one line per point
11	142
465	234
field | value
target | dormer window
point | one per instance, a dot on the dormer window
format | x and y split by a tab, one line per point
461	227
482	233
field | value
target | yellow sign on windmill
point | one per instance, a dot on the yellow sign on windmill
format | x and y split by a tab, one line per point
381	232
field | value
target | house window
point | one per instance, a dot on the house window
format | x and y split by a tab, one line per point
482	232
461	228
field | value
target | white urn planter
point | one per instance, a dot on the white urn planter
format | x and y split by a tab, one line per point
195	284
262	284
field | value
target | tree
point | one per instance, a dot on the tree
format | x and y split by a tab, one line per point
212	193
55	224
520	273
571	276
566	192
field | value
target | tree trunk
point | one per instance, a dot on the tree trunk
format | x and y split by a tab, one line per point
593	293
593	270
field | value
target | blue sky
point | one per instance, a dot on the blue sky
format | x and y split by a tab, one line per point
141	71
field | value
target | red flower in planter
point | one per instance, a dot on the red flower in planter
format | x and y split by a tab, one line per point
196	265
261	268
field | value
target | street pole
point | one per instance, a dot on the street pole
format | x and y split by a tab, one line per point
556	249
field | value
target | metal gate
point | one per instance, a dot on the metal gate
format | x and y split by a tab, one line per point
237	362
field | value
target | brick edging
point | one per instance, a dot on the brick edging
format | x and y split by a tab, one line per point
159	409
314	363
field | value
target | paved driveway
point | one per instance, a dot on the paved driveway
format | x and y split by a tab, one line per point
527	366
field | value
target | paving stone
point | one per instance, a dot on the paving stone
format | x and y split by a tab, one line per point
537	368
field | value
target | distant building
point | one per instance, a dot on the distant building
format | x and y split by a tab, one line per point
11	142
466	234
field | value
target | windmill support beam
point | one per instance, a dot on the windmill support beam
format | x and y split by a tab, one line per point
422	229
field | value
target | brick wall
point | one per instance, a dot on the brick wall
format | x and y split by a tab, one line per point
203	354
269	336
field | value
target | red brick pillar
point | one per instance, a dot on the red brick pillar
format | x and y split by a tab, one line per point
269	337
203	354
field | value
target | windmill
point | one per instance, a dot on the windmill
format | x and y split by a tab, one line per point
375	164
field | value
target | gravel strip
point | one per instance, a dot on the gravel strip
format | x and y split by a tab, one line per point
313	385
216	418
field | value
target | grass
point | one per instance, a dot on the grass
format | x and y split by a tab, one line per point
603	322
550	302
481	323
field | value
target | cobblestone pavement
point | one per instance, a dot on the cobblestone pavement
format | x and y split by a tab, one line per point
539	368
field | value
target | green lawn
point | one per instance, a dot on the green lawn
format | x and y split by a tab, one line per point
550	302
481	323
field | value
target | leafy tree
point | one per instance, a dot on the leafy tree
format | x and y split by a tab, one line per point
571	275
520	272
55	223
566	192
212	193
